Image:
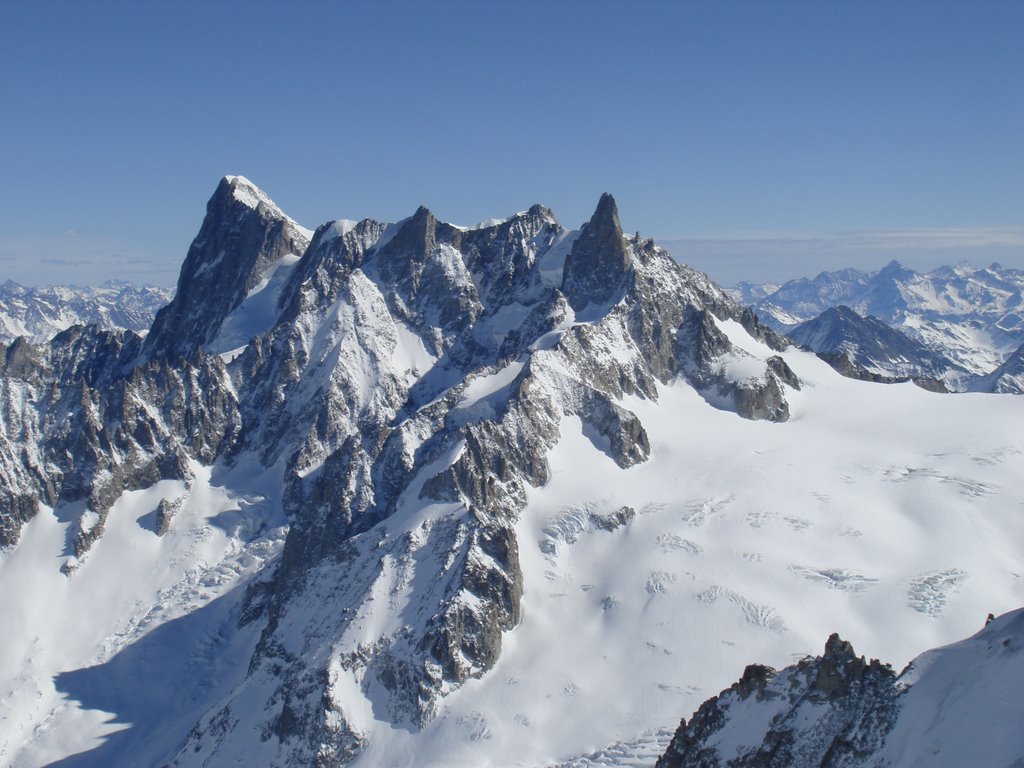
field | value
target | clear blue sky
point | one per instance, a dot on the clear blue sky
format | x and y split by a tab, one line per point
767	139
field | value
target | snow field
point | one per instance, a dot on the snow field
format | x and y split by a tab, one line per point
152	617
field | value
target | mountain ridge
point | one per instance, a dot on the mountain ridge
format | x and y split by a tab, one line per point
868	344
380	474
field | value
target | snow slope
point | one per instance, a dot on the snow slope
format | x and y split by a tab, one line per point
114	660
964	703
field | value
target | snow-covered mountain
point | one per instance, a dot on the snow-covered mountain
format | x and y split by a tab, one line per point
953	706
747	293
418	494
40	313
973	316
855	343
1007	378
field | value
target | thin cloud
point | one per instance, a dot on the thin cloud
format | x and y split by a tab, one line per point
63	262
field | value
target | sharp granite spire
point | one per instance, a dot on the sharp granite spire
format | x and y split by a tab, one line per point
598	260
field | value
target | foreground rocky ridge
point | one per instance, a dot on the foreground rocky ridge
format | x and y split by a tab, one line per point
406	378
952	706
834	710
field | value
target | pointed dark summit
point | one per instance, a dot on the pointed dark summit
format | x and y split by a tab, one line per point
243	233
415	239
598	261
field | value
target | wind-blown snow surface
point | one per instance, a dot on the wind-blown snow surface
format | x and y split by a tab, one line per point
964	702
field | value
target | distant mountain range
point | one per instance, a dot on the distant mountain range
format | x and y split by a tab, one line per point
41	312
965	322
869	345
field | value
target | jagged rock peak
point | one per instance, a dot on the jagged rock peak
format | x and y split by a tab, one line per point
839	664
598	260
416	235
243	234
834	710
246	193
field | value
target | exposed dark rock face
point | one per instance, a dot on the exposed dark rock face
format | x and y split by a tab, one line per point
599	260
165	512
85	423
704	344
610	522
827	712
242	235
425	280
626	436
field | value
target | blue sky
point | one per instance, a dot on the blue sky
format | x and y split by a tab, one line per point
764	140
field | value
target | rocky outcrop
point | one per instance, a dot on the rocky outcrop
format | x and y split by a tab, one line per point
834	710
165	512
711	361
955	705
840	362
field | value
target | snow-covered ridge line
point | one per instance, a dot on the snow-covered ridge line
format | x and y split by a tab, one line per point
249	194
